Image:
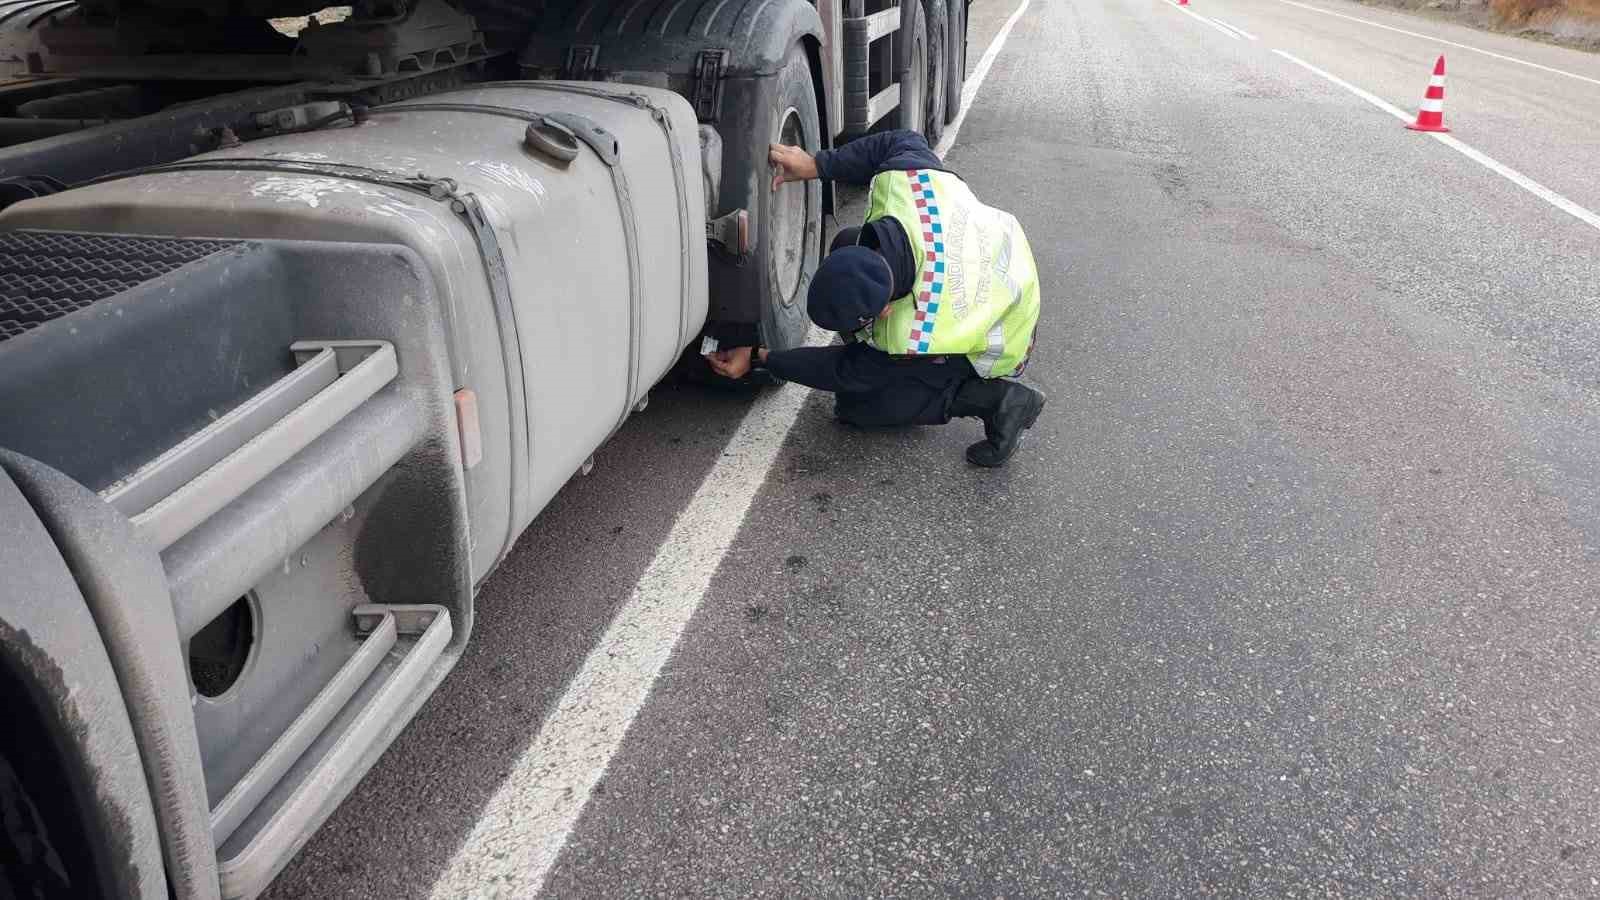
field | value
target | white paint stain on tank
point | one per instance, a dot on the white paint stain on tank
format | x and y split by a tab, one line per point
300	155
510	176
399	163
391	209
313	191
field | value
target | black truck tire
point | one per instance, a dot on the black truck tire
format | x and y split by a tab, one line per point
938	29
31	865
788	220
911	57
955	59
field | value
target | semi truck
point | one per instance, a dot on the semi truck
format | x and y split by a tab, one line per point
304	316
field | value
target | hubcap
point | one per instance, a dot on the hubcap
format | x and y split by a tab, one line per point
919	86
789	213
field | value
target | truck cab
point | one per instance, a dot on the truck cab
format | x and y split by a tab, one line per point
303	323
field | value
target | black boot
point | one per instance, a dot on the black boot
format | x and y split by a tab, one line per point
1007	409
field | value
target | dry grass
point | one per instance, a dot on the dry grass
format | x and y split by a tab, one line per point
1519	11
1574	23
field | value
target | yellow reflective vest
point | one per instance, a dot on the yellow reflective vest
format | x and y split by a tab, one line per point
977	290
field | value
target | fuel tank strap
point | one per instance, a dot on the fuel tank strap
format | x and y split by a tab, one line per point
691	221
606	147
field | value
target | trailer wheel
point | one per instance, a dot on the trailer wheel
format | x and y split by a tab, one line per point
789	227
911	54
955	59
933	118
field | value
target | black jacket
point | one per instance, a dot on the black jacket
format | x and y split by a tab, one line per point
856	163
857	368
887	151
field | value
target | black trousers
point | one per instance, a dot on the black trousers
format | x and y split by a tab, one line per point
870	387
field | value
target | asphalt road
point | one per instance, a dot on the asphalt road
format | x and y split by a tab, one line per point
1291	592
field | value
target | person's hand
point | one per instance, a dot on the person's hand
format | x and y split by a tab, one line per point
790	164
731	363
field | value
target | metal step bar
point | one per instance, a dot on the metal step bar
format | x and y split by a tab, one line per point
169	496
324	784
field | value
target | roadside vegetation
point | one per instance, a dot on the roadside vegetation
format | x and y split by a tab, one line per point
1573	23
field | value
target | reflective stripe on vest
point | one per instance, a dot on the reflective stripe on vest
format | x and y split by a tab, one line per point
976	291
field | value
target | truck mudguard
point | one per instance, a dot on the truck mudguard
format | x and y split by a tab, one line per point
68	758
668	38
125	590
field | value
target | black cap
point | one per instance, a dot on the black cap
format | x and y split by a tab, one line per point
852	286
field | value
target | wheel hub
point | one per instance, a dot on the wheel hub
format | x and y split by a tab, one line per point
789	213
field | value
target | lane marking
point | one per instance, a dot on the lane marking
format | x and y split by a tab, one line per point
1488	162
524	826
1439	40
1223	25
1234	27
1375	100
1218	23
1519	179
969	90
522	829
1199	18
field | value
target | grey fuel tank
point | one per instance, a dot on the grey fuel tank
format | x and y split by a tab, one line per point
563	224
312	387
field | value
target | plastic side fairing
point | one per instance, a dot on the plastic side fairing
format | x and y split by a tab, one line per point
596	318
369	514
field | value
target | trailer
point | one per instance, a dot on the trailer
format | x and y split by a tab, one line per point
306	314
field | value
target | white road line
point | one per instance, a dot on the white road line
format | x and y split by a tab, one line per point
974	81
526	823
1234	27
1199	18
1439	40
1488	162
1520	180
1218	23
1224	26
528	820
1375	100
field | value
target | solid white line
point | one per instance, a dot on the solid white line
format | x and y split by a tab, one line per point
1488	162
1439	40
1379	102
1199	18
974	81
1235	28
1520	180
526	823
1223	25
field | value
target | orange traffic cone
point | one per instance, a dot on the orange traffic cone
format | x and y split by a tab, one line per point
1430	116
